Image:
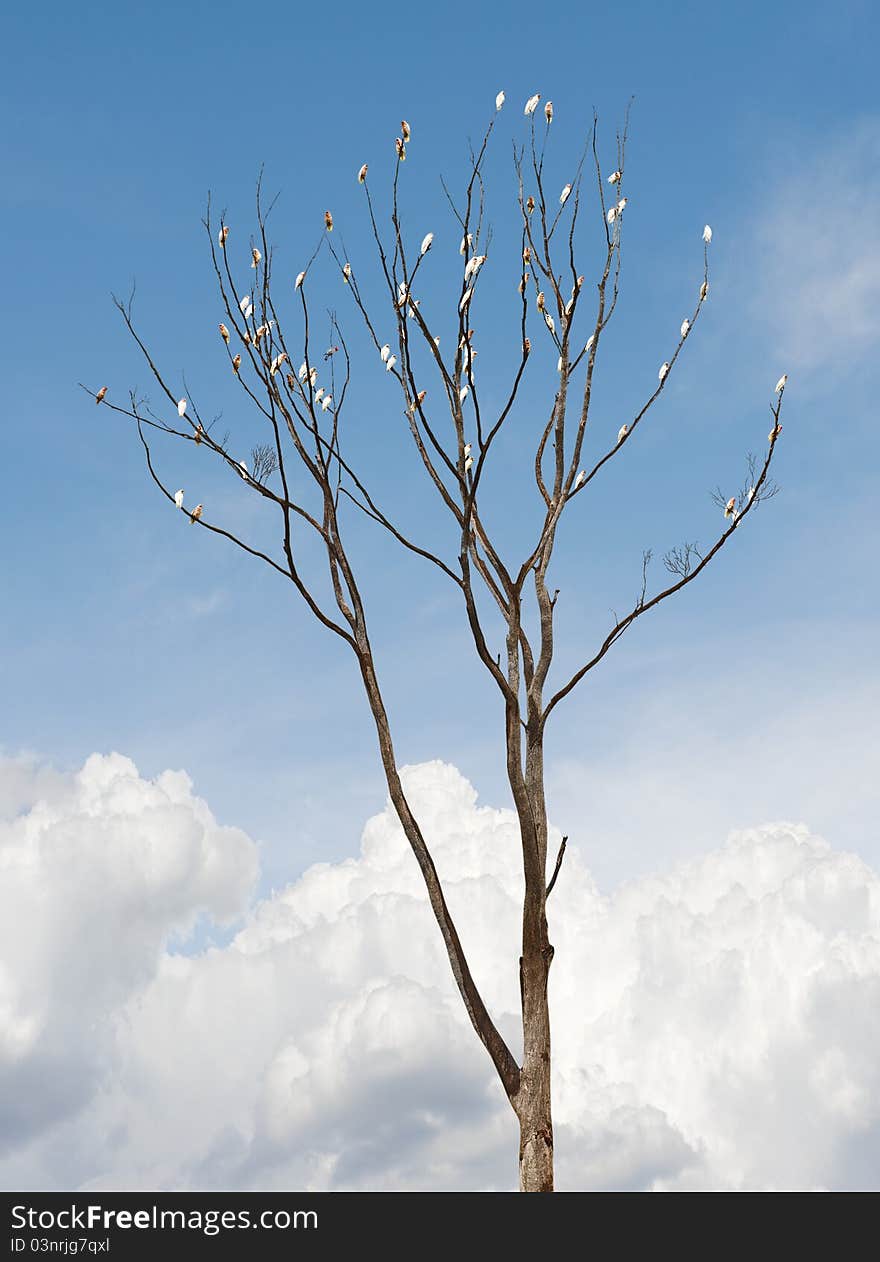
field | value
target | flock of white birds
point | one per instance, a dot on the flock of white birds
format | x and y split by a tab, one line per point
472	266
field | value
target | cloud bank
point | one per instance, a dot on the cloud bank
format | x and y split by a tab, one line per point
715	1026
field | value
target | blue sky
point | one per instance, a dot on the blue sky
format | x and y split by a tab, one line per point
750	698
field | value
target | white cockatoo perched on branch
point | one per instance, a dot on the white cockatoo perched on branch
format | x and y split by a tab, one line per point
224	333
405	131
384	353
466	297
704	291
468	448
473	265
222	235
303	370
256	257
499	100
580	479
245	303
346	273
707	234
427	242
612	214
622	433
390	362
181	407
319	394
195	514
548	111
550	322
664	369
463	394
564	195
774	433
615	177
362	174
328	221
400	147
99	397
730	506
468	464
326	402
685	326
466	243
178	498
540	300
532	104
243	469
780	385
236	363
299	280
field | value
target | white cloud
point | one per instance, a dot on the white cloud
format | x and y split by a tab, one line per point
819	253
713	1027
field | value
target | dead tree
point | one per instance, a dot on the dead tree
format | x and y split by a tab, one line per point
300	425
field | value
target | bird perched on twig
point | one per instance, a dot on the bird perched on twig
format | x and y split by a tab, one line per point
362	174
222	235
224	333
622	433
532	104
256	256
181	407
330	352
685	325
580	479
730	506
499	100
426	243
707	234
401	149
328	221
563	196
178	498
195	514
780	385
664	369
615	177
99	397
405	131
548	112
704	290
299	280
236	363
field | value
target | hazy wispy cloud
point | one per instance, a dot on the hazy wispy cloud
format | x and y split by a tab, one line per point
715	1026
818	249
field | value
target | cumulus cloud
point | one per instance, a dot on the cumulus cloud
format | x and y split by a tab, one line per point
97	873
714	1026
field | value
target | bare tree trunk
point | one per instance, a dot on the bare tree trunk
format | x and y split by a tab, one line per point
533	1105
533	1102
